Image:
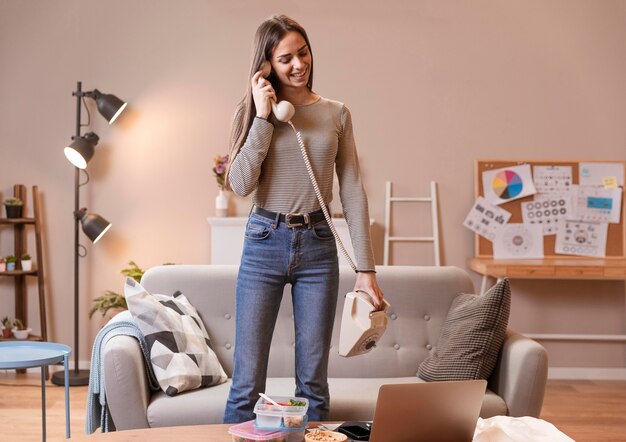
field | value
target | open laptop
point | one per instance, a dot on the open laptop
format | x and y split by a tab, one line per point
430	411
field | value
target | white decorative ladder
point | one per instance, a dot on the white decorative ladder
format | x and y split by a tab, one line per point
433	200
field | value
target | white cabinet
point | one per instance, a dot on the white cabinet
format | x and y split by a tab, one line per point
227	239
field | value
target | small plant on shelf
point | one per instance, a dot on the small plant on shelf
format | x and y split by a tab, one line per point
20	331
11	260
27	263
13	207
7	324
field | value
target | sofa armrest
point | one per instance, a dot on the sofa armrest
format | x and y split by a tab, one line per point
126	383
520	375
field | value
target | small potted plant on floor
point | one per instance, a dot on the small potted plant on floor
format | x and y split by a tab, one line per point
20	331
6	324
10	263
13	207
112	303
26	262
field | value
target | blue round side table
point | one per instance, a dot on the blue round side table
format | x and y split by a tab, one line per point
28	354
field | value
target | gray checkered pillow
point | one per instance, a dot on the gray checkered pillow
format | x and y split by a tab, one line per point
180	350
471	337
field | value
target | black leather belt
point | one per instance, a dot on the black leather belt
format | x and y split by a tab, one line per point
291	219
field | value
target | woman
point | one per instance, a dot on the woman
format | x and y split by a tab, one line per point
287	239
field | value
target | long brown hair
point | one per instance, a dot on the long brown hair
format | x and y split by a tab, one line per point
267	37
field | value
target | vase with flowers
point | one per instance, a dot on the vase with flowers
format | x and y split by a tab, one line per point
219	170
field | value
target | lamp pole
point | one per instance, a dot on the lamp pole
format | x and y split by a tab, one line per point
76	376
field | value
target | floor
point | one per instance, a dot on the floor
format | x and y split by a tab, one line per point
586	411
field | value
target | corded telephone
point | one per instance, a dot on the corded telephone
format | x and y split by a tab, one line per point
361	325
284	110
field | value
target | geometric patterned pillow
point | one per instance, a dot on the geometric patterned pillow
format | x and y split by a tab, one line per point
471	337
179	345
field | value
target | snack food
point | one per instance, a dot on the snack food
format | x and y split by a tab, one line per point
293	421
324	436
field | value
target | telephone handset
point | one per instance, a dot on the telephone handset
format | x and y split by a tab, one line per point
284	110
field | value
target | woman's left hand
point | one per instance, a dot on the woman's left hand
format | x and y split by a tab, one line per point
366	282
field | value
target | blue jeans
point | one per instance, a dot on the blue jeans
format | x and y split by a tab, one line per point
273	256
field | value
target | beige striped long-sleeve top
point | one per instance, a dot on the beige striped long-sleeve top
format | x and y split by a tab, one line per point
271	163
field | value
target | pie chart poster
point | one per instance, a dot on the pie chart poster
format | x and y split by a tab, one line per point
508	183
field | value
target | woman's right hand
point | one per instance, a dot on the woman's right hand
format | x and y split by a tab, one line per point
263	93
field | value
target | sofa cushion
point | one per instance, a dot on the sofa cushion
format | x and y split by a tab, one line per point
178	342
471	337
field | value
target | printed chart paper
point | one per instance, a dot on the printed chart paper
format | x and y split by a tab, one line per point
508	184
597	204
517	241
546	210
551	179
593	174
486	219
581	238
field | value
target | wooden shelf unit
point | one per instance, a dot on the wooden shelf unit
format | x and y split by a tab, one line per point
20	276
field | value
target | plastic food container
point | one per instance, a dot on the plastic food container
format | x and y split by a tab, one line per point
294	435
246	432
270	416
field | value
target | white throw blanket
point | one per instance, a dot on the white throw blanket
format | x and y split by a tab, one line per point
97	410
517	429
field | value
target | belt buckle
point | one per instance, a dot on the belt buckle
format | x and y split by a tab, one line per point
288	217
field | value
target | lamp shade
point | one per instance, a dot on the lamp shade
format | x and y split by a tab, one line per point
94	226
80	151
109	106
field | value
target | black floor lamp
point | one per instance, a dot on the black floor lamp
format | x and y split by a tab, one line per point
79	152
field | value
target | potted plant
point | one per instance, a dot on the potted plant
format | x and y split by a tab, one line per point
111	302
3	264
19	330
13	207
11	260
6	324
26	262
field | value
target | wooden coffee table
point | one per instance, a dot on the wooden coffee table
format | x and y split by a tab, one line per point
204	433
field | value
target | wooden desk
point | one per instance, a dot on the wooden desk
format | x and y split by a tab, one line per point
552	268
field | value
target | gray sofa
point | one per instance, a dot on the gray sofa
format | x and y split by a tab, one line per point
420	298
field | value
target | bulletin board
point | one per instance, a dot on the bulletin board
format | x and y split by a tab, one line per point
616	236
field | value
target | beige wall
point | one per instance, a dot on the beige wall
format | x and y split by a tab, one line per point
432	86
